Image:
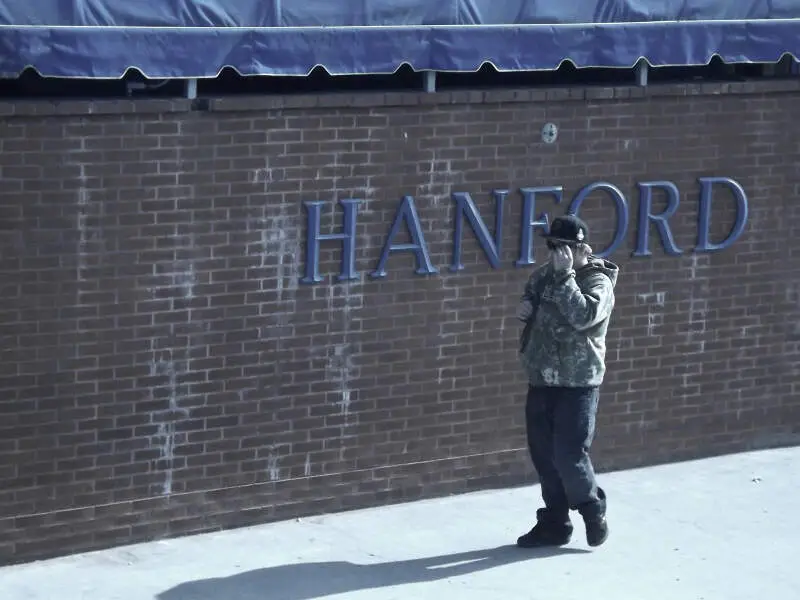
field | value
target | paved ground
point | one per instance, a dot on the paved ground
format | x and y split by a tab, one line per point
720	529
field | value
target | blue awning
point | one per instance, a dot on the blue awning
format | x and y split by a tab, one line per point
198	38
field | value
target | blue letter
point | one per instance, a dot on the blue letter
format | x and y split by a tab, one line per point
314	237
622	212
491	248
704	213
529	222
406	212
645	216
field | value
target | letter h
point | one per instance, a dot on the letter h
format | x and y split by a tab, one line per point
347	237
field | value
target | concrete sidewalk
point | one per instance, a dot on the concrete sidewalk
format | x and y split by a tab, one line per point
721	529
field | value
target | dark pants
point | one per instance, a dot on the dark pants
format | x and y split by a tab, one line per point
560	425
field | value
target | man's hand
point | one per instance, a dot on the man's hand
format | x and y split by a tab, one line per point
524	310
562	259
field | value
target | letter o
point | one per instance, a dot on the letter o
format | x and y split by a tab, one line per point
623	216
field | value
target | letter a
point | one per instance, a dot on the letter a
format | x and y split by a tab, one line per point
406	213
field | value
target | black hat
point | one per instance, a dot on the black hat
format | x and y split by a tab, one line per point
569	229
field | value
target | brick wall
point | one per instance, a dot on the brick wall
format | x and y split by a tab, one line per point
164	371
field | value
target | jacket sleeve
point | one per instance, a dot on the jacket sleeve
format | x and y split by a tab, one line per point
584	309
530	293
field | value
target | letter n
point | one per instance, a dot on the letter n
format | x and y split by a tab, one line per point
491	247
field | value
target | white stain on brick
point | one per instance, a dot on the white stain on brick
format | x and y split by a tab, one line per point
184	277
83	237
165	438
338	371
653	320
655	302
277	238
166	433
441	179
273	469
698	310
176	275
693	267
262	176
335	173
340	368
698	302
340	365
278	233
166	429
655	298
449	316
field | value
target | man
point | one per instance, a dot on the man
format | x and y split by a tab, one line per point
566	307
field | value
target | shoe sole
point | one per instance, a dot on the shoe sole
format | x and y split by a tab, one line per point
542	545
599	542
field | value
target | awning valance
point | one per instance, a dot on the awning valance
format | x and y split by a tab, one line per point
198	38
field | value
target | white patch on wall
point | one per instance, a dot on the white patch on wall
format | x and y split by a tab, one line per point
436	172
698	300
273	468
83	213
698	310
262	176
165	439
278	233
339	369
693	267
90	235
695	307
184	277
274	232
171	359
335	166
448	316
278	237
655	302
179	275
166	435
435	194
343	300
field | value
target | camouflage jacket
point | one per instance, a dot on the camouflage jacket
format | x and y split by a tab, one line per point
564	342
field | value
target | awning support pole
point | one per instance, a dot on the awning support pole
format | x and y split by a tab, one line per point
190	88
430	81
642	70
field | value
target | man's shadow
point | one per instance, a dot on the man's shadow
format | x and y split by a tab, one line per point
306	581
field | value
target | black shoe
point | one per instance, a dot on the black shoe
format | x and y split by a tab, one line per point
596	531
594	517
548	531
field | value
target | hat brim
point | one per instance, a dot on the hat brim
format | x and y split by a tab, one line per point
554	238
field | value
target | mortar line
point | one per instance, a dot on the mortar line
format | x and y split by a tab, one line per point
260	483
